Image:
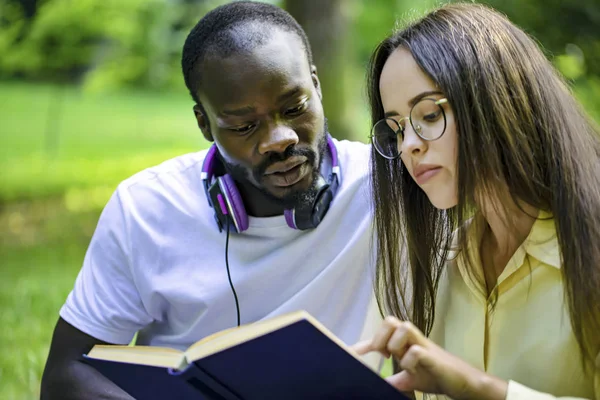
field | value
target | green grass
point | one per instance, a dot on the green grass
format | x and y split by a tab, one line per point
51	197
55	138
43	244
32	289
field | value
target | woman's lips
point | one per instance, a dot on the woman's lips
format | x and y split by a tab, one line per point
423	173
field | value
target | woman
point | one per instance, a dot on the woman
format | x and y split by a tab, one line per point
477	134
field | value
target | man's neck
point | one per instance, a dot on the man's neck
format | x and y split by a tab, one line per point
257	204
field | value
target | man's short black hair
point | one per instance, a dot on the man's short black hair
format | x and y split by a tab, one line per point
217	34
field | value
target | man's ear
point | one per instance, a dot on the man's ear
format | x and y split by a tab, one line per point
203	123
315	79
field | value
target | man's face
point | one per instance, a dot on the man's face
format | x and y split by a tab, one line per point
264	112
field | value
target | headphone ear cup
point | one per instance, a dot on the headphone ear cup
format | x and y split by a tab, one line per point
321	206
235	201
310	217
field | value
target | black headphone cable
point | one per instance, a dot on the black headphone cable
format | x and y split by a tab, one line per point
237	304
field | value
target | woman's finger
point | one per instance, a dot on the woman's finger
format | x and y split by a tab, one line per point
402	381
363	347
405	335
398	342
382	337
413	358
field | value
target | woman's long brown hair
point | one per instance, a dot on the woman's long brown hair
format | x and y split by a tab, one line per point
518	125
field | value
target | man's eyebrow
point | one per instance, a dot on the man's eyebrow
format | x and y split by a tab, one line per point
413	101
290	93
239	112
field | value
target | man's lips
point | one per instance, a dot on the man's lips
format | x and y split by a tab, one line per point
290	176
285	166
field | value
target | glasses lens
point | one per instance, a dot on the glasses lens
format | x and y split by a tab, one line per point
385	138
428	119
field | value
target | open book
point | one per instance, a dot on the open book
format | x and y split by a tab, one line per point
292	356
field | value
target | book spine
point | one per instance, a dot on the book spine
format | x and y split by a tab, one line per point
203	382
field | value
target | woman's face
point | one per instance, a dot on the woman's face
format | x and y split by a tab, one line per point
431	163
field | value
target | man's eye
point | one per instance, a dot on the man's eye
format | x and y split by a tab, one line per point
243	129
300	108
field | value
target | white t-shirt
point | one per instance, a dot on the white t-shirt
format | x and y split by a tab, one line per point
156	262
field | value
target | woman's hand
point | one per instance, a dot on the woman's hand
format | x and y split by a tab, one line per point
428	368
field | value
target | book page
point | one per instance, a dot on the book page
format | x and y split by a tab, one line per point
234	336
143	355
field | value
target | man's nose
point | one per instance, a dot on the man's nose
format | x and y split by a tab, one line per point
277	139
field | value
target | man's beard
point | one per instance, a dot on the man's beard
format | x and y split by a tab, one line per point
296	198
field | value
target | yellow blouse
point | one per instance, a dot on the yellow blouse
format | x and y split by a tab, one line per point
527	338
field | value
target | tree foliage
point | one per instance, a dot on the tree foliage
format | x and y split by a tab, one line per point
108	44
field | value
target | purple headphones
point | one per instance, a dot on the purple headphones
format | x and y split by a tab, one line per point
224	197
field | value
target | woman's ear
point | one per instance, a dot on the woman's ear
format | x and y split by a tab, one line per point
203	122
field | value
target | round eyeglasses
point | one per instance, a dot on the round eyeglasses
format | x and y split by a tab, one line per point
427	118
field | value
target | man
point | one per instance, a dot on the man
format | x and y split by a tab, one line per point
273	219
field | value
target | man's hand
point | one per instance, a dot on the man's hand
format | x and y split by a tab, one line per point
428	368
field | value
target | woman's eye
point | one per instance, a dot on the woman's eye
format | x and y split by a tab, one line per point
432	116
298	109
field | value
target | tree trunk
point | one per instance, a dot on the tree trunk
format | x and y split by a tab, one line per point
29	7
327	24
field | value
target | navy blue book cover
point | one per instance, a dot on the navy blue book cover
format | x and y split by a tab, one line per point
296	362
144	382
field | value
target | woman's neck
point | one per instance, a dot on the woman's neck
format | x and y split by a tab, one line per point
505	228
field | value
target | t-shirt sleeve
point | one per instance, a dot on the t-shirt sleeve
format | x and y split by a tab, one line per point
105	302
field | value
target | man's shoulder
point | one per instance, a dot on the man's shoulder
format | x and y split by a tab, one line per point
354	159
179	169
174	185
352	148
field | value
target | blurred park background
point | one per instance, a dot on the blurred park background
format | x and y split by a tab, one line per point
91	92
